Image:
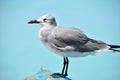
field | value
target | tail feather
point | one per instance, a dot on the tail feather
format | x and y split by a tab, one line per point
115	46
115	50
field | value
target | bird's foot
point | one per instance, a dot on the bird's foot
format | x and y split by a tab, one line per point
63	75
58	75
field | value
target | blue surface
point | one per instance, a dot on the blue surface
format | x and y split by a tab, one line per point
22	54
46	75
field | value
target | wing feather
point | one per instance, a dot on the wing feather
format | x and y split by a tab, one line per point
64	37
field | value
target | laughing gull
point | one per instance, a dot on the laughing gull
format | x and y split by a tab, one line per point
69	42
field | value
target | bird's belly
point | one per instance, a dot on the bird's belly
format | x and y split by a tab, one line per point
66	53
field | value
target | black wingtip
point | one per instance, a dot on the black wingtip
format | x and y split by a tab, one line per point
114	46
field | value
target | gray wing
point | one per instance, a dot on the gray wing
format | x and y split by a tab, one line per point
63	37
66	39
94	45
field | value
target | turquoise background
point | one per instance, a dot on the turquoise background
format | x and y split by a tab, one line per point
22	54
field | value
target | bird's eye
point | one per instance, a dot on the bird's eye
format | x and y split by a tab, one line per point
44	19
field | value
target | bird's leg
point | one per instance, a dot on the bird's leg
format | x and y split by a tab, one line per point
67	63
65	67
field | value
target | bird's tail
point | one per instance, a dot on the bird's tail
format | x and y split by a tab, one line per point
113	47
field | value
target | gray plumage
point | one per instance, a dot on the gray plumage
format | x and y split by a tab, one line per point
63	40
63	37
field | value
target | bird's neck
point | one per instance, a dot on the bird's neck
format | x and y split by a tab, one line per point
45	31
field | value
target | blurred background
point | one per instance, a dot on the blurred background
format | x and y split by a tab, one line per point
22	54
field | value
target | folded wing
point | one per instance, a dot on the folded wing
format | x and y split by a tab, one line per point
67	39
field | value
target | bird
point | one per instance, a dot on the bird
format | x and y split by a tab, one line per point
69	42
